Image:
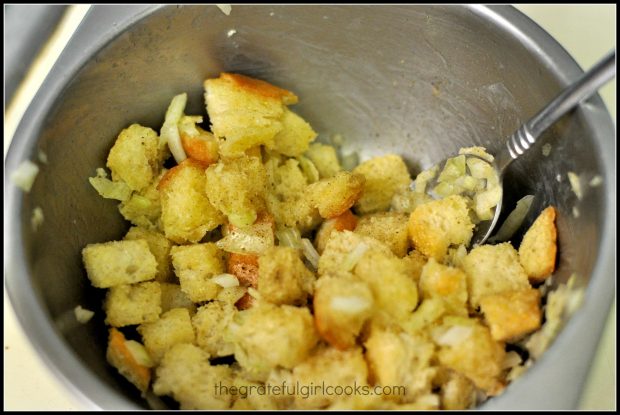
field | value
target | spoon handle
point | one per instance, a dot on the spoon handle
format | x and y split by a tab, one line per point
522	139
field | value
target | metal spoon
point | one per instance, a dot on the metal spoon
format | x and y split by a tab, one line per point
527	135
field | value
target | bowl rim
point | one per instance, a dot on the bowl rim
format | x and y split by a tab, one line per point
103	23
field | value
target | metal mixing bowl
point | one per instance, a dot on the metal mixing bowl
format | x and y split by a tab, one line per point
420	81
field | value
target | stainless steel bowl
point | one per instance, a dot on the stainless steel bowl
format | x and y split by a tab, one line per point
417	80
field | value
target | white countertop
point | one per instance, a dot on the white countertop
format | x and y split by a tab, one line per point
586	31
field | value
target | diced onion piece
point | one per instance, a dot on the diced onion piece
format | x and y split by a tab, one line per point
480	169
225	8
354	256
101	172
254	293
469	183
423	178
596	181
109	189
24	175
453	169
511	359
477	151
254	239
406	200
289	237
42	156
514	220
310	252
139	353
453	336
546	150
576	212
575	184
486	201
170	130
37	218
351	304
446	189
226	280
349	161
309	169
83	315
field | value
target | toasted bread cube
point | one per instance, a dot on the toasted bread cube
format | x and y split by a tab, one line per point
428	313
385	175
325	159
173	297
493	269
236	187
195	265
436	225
187	214
339	248
457	392
144	207
394	291
159	246
119	355
246	112
127	305
244	267
283	278
344	222
400	359
173	327
345	369
512	314
135	157
210	323
334	195
341	307
202	147
266	336
415	262
446	283
466	346
119	262
295	137
246	399
387	227
186	374
538	249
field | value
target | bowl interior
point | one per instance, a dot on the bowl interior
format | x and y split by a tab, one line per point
419	81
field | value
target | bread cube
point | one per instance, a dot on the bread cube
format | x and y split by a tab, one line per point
436	225
173	297
385	175
159	246
247	399
466	346
346	221
512	314
186	374
415	262
119	355
266	336
334	195
143	208
329	366
135	157
295	137
173	327
447	283
457	392
400	359
283	278
246	112
244	267
119	262
341	307
428	313
127	305
340	248
195	265
187	214
325	159
493	269
236	187
538	248
202	146
210	323
387	227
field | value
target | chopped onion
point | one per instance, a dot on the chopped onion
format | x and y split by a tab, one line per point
42	156
170	130
310	252
511	359
423	178
453	169
575	184
254	239
24	175
289	237
225	8
486	201
352	305
349	161
477	151
109	189
453	336
309	169
596	181
37	218
101	172
514	220
83	315
354	256
139	353
226	280
546	150
576	212
254	293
